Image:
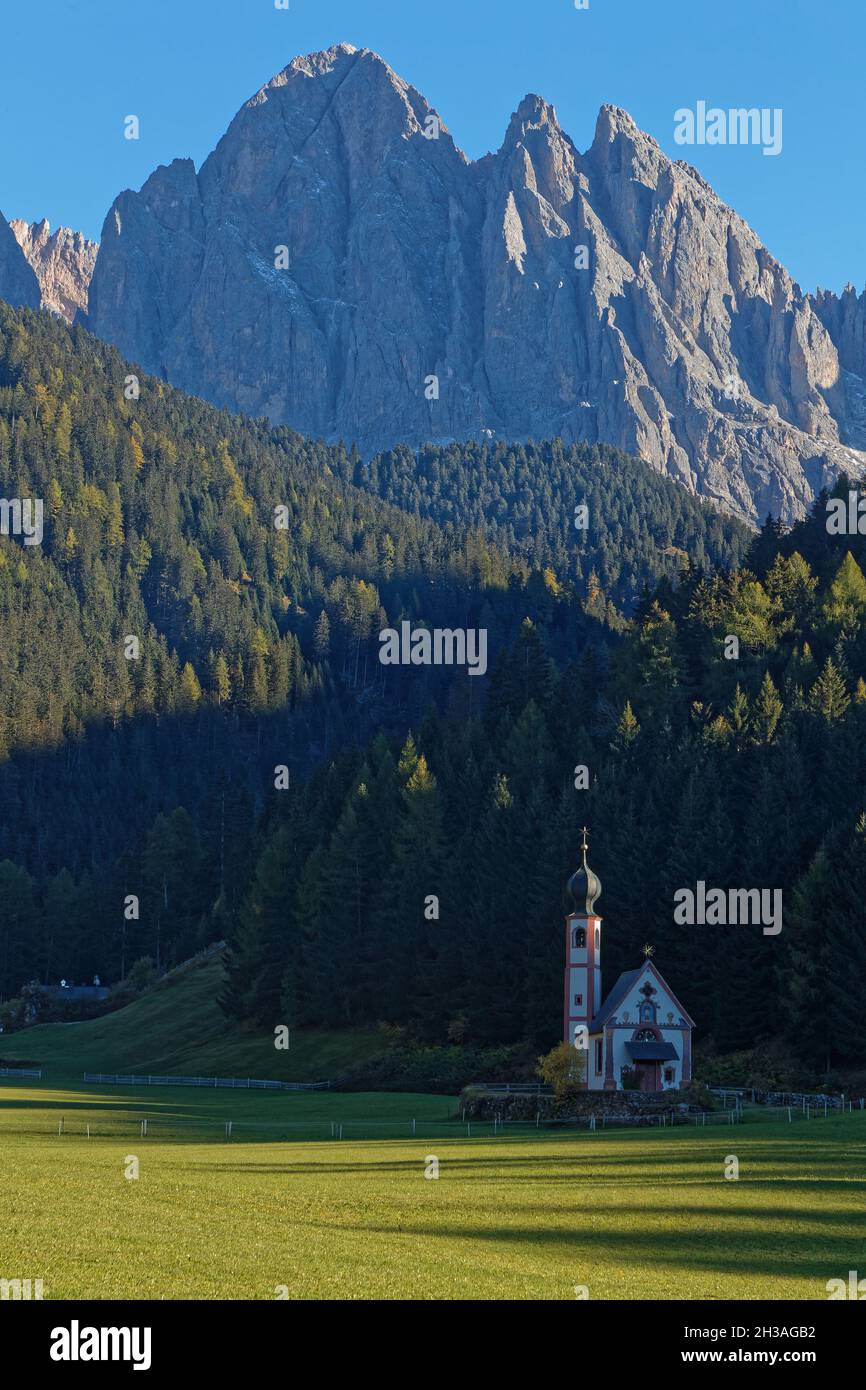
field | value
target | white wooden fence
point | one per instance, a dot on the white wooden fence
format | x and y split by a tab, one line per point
231	1082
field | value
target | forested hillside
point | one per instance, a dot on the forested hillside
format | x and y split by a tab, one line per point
523	497
743	772
154	775
146	770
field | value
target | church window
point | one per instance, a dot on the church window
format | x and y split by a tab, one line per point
597	938
598	1054
669	1074
647	1012
578	937
645	1035
578	999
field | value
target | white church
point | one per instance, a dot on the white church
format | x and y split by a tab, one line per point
641	1027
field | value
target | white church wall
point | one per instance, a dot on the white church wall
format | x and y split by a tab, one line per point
621	1057
594	1076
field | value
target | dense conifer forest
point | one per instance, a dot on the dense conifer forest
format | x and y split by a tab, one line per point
154	774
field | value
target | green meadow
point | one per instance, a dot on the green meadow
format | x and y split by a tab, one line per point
324	1195
179	1029
280	1208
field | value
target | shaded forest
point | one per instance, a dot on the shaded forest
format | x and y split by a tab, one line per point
744	772
154	774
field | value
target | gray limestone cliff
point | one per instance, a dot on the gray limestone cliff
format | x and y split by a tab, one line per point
18	284
337	251
62	262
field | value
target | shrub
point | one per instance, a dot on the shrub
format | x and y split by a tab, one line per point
442	1070
563	1068
699	1095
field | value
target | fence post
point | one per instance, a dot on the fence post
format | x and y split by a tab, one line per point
413	1128
60	1126
789	1114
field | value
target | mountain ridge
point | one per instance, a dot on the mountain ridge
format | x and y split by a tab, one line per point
430	297
62	262
19	286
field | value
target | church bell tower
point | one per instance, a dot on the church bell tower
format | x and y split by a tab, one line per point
582	950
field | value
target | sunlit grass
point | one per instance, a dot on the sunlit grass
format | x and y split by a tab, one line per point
636	1214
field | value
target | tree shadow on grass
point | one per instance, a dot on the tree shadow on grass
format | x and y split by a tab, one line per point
775	1254
834	1167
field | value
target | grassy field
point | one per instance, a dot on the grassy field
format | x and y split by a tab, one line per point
180	1029
324	1194
637	1214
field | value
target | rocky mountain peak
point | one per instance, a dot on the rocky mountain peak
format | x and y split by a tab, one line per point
340	76
623	151
337	253
533	113
18	283
314	64
62	262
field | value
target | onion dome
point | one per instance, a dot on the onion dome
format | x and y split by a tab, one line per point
584	885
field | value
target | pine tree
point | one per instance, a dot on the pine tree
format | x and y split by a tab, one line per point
739	716
322	636
828	696
627	729
220	682
413	874
189	693
845	603
767	712
267	939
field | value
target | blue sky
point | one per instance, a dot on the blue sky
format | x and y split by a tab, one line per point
70	73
